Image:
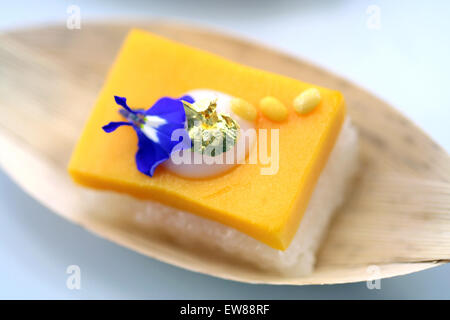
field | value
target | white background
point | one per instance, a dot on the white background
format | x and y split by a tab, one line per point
405	62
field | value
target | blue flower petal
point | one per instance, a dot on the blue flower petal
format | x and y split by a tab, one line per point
110	127
152	150
165	140
172	110
121	101
187	98
149	154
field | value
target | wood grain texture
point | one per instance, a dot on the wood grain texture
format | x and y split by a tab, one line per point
397	216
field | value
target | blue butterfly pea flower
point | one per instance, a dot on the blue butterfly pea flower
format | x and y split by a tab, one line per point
154	128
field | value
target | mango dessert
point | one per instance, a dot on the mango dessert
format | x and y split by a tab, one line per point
219	155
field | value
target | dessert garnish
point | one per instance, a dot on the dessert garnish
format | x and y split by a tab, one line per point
306	101
273	109
243	109
154	128
205	130
211	133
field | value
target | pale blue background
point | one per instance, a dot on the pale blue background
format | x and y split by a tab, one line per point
405	63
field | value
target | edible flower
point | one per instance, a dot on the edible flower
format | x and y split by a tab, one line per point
154	128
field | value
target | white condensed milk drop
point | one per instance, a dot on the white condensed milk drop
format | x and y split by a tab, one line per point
208	166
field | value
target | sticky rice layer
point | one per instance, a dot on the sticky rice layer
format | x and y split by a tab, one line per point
190	230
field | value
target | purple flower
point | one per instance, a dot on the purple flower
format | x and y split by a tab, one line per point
154	128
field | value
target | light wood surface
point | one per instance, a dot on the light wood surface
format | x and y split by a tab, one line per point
397	216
